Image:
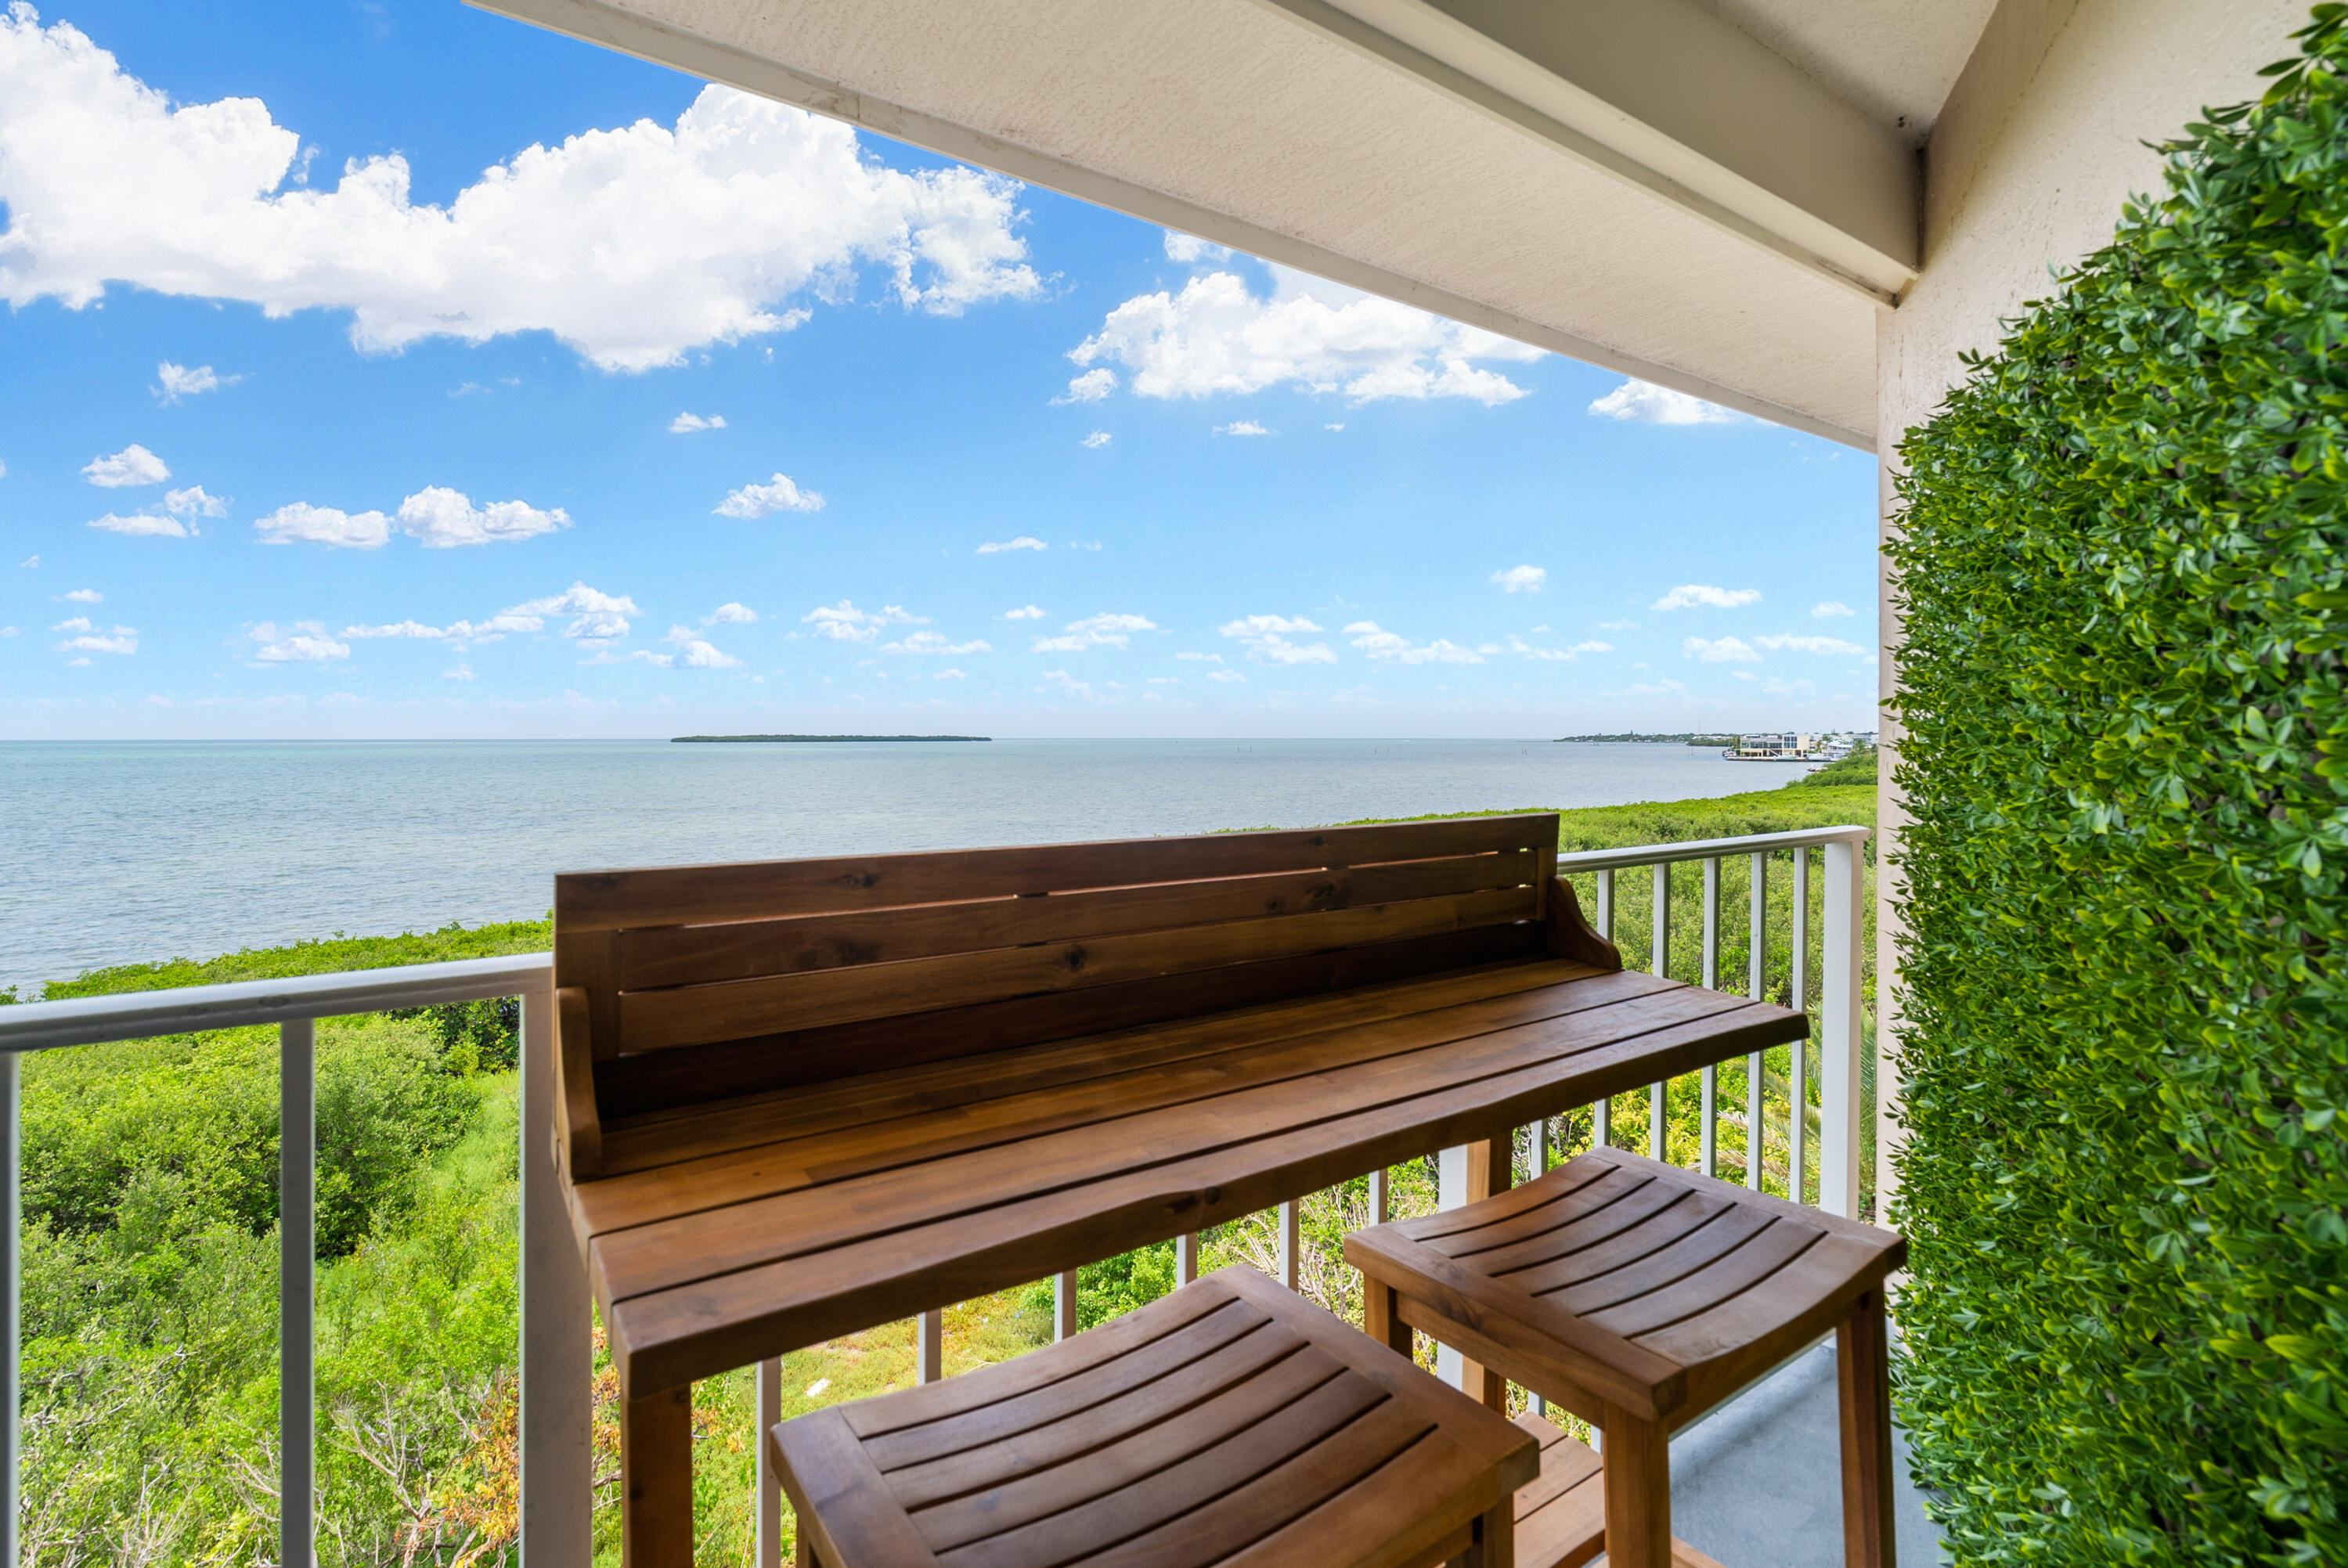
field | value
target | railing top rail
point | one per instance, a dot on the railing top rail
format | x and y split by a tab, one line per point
141	1015
1705	848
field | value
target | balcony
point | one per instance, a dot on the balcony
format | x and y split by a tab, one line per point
1761	1469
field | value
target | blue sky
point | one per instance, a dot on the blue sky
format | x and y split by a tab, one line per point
395	369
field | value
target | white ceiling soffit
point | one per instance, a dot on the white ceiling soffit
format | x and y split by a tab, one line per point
1325	149
1668	97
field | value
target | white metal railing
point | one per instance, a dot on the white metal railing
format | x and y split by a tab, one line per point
557	1348
556	1414
1839	1024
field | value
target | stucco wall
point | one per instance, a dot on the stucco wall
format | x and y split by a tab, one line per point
2039	146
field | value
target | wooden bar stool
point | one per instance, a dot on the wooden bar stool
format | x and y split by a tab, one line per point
1230	1422
1639	1295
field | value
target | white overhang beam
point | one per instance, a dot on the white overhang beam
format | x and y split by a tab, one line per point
1668	97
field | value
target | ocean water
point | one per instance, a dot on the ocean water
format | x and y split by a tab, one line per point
135	851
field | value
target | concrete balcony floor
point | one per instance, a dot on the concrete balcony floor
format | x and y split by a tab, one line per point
1757	1483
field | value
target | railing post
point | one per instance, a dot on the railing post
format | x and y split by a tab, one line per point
769	1544
1291	1243
1708	1112
1186	1257
297	1262
1660	952
11	1239
1838	1034
558	1349
929	1345
1797	1055
1601	1115
1451	1193
1064	1305
1757	1143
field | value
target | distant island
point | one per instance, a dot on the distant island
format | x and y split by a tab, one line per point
1681	739
680	739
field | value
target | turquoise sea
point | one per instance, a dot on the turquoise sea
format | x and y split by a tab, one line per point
132	851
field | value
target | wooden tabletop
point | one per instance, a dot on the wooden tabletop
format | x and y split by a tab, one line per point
722	1235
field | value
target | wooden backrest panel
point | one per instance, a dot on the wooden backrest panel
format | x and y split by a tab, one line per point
702	961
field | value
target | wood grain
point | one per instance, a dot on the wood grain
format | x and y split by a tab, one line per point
1297	1439
699	1014
741	950
666	1081
685	895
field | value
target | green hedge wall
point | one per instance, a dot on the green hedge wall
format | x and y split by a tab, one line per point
2126	603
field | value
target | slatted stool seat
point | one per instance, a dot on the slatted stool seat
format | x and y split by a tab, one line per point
1229	1422
1638	1296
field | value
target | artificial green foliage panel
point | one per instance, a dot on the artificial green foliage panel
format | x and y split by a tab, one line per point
2124	568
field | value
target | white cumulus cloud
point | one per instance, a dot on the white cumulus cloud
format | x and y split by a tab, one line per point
594	615
1691	595
1828	608
1519	646
1379	643
1522	579
758	500
443	519
300	522
684	424
844	622
1226	676
933	642
134	464
1189	248
1106	630
123	639
141	522
1266	638
1720	650
178	381
305	641
1783	643
1025	613
397	629
633	245
1643	403
1090	386
86	596
1025	542
694	654
194	502
730	615
1242	428
1096	441
1218	337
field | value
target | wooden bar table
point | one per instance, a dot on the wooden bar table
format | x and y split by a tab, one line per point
717	1237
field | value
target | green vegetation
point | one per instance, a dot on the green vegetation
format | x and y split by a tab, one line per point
2124	1177
681	740
150	1273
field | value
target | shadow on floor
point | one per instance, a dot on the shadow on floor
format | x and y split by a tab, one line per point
1757	1483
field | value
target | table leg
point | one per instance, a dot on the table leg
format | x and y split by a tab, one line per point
1863	1373
1491	1168
1638	1478
656	1481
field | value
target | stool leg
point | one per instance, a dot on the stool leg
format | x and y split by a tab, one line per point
1496	1537
1381	1317
1638	1478
805	1557
656	1481
1863	1373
